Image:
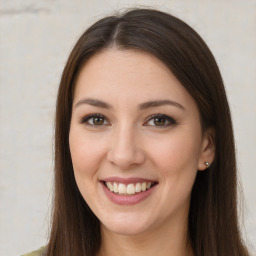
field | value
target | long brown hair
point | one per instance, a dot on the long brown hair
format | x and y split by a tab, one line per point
213	219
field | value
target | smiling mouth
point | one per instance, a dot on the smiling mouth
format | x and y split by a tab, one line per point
128	189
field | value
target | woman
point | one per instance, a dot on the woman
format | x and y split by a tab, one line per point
144	147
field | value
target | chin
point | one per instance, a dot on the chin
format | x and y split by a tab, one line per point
127	226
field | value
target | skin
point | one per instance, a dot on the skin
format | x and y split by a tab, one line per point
128	142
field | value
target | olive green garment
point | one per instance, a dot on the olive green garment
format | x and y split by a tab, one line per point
36	253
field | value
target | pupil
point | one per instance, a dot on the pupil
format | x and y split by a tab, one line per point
159	121
98	121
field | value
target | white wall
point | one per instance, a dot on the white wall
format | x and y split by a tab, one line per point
35	40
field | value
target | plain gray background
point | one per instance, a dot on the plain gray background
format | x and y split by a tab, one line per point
36	37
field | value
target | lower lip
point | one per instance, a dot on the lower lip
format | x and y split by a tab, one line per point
127	200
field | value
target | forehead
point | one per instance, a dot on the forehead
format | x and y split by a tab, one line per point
128	75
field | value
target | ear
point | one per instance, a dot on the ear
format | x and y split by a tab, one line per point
207	149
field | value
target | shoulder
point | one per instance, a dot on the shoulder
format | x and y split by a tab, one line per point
35	253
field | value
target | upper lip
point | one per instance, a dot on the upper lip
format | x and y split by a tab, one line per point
128	180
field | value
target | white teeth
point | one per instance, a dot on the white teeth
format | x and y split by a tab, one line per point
138	188
130	189
110	186
121	189
115	188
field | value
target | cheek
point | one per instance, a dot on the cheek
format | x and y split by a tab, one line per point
176	162
176	153
86	153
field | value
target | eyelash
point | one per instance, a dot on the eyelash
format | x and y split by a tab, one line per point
85	119
168	120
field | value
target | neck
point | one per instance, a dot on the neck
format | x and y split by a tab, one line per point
168	240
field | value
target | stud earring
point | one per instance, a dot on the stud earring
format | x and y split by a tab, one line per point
207	164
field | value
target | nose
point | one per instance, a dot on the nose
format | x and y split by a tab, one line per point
126	151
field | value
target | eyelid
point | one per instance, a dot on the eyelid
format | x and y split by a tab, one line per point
171	120
84	119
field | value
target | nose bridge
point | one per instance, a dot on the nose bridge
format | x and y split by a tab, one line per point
125	150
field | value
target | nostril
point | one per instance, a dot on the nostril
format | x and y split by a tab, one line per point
126	158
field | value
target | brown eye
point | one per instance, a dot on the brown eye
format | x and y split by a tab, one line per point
95	120
158	121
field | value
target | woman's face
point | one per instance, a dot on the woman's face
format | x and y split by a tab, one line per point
136	142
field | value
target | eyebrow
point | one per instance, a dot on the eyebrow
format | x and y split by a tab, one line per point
142	106
158	103
93	102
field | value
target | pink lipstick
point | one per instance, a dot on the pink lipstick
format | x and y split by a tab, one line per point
127	191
